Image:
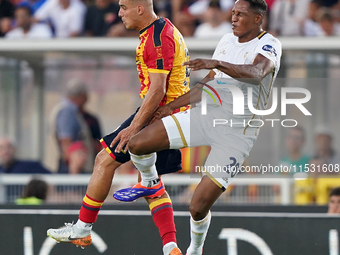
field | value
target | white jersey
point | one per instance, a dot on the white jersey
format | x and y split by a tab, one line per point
231	51
210	123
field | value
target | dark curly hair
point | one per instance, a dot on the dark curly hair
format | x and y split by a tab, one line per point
258	6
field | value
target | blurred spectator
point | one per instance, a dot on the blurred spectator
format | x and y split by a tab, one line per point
329	25
68	124
66	16
295	141
77	156
26	28
102	18
214	26
201	6
325	153
288	16
34	5
6	15
162	8
35	193
334	201
11	165
186	13
181	18
311	26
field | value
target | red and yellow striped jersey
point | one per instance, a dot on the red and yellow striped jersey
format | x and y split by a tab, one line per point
162	50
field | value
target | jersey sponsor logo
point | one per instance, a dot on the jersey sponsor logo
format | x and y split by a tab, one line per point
221	82
270	49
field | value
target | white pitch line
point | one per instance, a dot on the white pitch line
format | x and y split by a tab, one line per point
176	213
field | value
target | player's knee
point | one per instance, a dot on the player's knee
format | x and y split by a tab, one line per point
135	146
197	212
100	157
103	160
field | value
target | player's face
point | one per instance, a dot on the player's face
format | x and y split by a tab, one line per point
128	13
334	204
243	19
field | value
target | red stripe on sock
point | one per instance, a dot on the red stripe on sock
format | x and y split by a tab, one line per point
164	221
95	200
86	215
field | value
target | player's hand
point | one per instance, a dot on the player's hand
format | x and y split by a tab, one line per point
161	112
124	136
201	63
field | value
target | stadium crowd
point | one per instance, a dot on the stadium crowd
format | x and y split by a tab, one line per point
199	18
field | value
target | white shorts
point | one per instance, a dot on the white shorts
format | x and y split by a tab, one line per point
228	148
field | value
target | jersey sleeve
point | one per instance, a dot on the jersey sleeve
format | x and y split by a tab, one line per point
160	53
270	48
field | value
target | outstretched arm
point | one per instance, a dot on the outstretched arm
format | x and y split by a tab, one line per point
152	100
193	96
253	73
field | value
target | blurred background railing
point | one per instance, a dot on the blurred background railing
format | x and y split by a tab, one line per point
33	75
66	189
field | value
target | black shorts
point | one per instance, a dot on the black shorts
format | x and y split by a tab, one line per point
168	161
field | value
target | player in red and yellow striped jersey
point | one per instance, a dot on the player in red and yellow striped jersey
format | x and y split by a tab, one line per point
159	57
162	50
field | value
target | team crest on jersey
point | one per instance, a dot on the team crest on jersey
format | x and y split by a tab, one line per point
159	52
270	49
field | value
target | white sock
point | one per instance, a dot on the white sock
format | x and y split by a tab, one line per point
146	166
167	248
83	227
198	233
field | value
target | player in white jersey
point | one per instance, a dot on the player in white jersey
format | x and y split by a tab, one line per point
247	58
